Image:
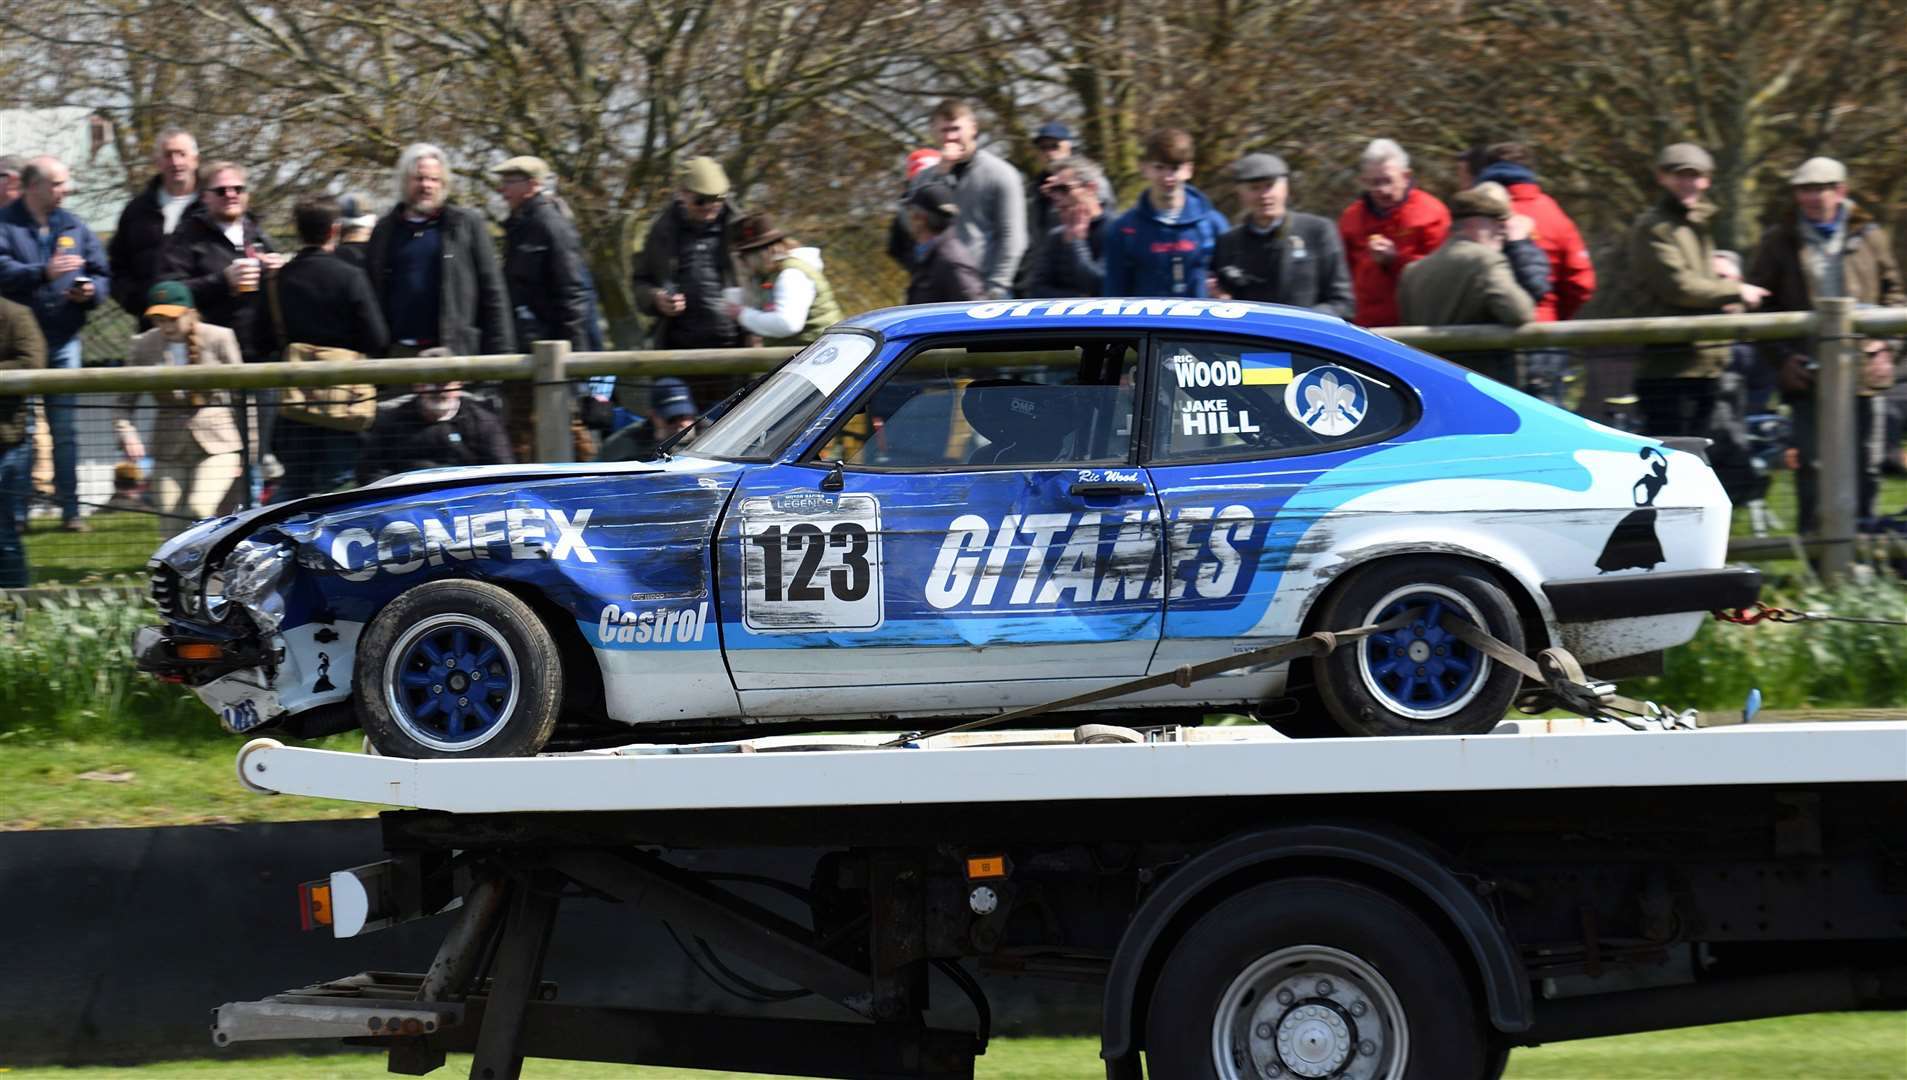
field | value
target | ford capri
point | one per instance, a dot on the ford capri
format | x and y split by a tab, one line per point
939	513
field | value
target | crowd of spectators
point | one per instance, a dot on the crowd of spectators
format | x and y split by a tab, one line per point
420	275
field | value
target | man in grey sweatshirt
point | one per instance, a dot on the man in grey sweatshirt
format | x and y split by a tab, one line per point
989	192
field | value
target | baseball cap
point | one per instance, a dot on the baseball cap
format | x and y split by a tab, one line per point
1484	200
1259	167
1054	130
1819	170
670	399
533	167
1684	155
935	198
170	299
356	211
704	176
921	160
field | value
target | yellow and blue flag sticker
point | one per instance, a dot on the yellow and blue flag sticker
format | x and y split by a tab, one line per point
1266	369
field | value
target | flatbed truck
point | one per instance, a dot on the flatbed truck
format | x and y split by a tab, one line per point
1250	905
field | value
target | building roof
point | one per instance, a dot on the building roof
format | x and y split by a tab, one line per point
83	140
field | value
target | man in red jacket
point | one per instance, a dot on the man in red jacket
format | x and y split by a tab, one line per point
1572	280
1391	226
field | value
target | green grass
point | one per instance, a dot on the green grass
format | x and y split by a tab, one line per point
120	543
1834	1046
67	784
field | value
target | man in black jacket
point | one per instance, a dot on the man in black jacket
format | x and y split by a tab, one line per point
433	269
944	270
150	217
319	299
685	263
436	428
543	267
1277	255
1069	257
222	256
322	299
542	258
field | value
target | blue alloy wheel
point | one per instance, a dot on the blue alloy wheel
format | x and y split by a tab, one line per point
1422	669
451	682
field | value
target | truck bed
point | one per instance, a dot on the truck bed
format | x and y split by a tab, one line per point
1008	767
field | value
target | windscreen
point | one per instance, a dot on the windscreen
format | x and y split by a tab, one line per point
764	421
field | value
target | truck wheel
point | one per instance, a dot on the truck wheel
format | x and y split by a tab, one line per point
458	669
1419	679
1312	978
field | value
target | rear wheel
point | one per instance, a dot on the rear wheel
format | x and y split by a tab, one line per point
1419	679
458	669
1313	978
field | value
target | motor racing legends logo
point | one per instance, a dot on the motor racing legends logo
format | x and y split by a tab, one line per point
1099	559
404	547
659	625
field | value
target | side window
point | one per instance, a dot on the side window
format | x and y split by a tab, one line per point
1231	399
1006	404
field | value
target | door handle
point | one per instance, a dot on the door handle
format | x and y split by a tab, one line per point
1107	489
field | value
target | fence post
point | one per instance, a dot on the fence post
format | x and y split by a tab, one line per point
1837	467
549	400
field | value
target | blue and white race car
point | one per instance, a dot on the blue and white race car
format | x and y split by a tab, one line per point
941	512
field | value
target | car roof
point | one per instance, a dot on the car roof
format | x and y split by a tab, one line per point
1095	313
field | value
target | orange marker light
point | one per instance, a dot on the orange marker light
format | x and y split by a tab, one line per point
196	651
314	904
986	866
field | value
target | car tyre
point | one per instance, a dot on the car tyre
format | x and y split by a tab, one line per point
1313	977
458	669
1419	679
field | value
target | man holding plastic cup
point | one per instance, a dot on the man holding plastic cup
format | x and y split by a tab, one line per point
52	263
222	256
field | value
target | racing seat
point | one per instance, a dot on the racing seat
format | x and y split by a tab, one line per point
1024	423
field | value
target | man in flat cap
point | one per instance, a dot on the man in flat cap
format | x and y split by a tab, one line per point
549	294
1277	255
1469	280
542	258
1828	246
1671	255
685	263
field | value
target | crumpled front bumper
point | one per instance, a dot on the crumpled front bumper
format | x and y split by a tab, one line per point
228	674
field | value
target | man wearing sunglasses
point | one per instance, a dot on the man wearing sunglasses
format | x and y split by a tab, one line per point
685	263
222	256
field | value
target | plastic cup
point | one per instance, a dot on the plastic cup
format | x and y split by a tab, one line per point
733	295
248	281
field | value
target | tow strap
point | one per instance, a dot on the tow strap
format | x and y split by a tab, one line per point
1555	668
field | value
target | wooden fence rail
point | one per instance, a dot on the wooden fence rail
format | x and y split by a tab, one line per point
1833	327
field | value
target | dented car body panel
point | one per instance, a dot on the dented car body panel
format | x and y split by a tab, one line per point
948	520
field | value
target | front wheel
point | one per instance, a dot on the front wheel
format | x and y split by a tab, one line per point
1418	679
1313	978
457	669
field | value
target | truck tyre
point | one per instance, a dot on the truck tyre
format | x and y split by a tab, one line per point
458	669
1418	679
1312	978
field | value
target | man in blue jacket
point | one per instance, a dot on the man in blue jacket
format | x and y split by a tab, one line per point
1163	245
52	263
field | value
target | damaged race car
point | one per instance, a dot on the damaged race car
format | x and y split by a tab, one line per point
941	512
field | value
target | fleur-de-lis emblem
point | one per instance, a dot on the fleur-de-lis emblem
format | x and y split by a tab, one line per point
1330	407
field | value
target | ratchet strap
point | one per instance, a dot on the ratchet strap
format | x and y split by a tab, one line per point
1555	668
